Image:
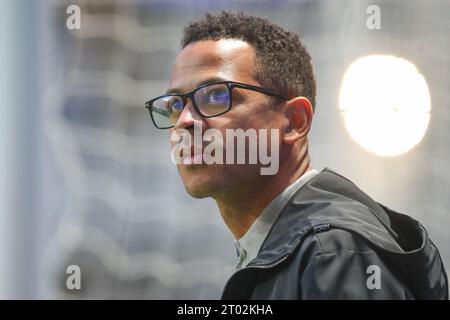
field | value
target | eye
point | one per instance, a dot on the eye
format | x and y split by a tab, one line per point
175	104
217	96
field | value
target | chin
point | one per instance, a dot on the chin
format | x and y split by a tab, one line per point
198	188
204	182
196	185
198	193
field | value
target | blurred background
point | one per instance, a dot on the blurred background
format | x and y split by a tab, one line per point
86	180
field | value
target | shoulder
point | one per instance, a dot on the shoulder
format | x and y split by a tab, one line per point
338	264
332	242
336	240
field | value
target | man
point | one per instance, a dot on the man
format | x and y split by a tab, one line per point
300	234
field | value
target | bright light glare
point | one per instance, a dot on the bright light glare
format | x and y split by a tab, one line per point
385	104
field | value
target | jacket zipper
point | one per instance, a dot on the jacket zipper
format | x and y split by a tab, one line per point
315	229
253	267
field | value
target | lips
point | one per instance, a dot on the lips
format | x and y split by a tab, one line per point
195	157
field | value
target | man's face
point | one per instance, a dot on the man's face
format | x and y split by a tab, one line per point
223	60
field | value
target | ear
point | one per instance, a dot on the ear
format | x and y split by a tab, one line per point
299	112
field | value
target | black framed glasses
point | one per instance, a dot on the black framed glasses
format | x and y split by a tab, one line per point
209	100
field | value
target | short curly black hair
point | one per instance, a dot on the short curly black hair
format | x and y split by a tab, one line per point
283	63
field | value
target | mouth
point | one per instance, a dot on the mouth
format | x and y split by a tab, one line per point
195	159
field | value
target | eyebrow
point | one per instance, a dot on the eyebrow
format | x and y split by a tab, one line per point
202	83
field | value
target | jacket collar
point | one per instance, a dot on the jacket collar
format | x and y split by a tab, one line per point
328	199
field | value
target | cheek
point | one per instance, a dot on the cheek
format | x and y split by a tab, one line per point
261	118
241	116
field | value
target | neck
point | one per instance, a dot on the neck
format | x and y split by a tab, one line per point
239	213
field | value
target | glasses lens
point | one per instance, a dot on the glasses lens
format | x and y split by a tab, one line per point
167	110
213	100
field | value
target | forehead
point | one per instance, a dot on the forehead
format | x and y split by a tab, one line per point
228	59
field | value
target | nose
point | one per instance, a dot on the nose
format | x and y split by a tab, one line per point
188	117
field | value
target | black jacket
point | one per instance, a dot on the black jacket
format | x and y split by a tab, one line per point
332	241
